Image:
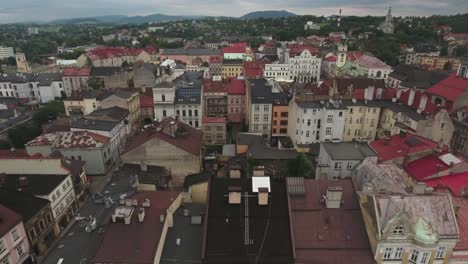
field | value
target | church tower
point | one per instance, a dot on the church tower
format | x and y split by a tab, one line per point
341	54
388	27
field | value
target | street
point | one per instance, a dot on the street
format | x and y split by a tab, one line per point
78	246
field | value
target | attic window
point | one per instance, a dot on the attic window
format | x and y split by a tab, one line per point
398	230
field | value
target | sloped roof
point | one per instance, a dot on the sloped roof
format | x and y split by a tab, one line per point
348	150
76	72
189	141
136	242
436	210
371	62
24	204
318	231
114	113
457	183
450	88
399	146
236	86
146	101
210	86
9	220
73	139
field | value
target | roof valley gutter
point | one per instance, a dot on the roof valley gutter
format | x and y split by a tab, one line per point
205	231
291	230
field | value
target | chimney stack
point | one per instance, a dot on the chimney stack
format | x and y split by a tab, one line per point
141	214
333	197
262	196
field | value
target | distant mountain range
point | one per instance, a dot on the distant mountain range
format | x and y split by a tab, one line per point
268	14
121	19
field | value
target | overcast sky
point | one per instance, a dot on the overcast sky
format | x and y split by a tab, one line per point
44	10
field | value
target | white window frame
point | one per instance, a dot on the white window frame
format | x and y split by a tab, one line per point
15	234
338	165
388	253
398	253
330	119
349	166
414	256
3	247
440	253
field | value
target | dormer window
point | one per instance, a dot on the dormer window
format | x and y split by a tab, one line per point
398	230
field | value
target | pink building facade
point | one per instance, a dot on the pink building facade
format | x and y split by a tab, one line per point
236	100
74	80
14	245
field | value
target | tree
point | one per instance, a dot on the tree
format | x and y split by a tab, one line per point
302	166
24	133
95	83
4	144
447	66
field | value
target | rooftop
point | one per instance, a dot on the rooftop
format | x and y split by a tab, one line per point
76	72
186	138
74	139
398	146
210	86
190	52
94	124
457	183
114	113
207	119
146	101
258	149
371	62
267	238
190	234
9	219
430	165
236	86
35	184
323	235
348	150
412	76
136	242
24	204
106	71
450	88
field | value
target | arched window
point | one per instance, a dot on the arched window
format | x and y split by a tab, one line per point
379	73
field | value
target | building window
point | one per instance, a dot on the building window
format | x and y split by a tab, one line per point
424	258
196	112
442	126
6	260
414	256
349	166
32	234
255	127
338	165
398	230
196	123
305	111
275	114
20	252
340	114
284	114
350	110
330	119
190	123
307	133
265	117
440	253
2	246
163	98
398	253
372	123
183	113
256	117
328	131
388	253
265	127
308	122
164	113
257	108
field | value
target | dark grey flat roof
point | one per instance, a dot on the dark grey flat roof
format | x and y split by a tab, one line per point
348	150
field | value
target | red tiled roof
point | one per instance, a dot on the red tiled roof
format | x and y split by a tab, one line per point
210	86
208	119
425	167
398	146
236	86
76	72
450	88
146	101
9	219
457	36
297	49
331	59
371	62
253	69
190	142
136	242
354	55
236	48
455	182
318	231
215	60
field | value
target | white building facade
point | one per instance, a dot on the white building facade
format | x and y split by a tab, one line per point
305	67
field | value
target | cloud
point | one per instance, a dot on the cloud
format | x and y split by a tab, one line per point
43	10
